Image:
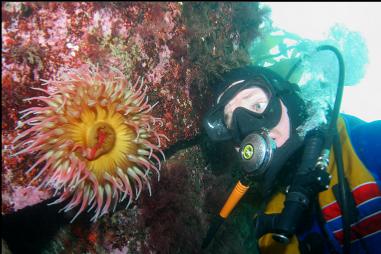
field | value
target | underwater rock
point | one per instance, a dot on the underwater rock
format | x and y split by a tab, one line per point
179	49
42	39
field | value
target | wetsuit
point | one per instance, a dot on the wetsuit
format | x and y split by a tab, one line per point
361	149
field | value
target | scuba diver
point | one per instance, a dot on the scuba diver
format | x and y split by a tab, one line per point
321	190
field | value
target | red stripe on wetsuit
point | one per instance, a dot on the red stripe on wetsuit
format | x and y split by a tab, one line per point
362	194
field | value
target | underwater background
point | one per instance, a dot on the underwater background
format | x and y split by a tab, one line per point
180	49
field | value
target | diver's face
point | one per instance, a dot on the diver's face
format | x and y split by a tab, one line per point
255	99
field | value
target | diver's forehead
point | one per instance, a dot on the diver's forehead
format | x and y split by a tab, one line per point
230	86
251	93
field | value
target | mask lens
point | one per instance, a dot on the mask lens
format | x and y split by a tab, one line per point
254	99
215	127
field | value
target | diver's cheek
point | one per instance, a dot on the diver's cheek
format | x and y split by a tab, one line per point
228	112
281	132
277	136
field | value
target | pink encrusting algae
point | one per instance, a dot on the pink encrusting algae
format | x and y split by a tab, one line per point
96	137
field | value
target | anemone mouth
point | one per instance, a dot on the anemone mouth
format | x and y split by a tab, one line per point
102	140
96	136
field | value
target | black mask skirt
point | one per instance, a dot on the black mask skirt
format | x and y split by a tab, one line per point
245	121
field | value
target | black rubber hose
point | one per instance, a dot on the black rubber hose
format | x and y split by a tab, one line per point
299	195
314	142
340	84
265	223
339	92
214	226
337	146
342	191
292	70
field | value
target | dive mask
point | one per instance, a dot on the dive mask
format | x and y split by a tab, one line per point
244	120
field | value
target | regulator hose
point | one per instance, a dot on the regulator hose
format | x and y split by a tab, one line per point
343	192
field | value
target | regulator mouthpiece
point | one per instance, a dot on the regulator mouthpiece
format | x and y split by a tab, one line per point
256	152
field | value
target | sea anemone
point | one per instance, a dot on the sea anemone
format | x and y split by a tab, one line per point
95	136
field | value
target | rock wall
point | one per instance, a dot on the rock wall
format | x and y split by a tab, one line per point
180	49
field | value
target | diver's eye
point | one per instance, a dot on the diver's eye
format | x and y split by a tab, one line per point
259	107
